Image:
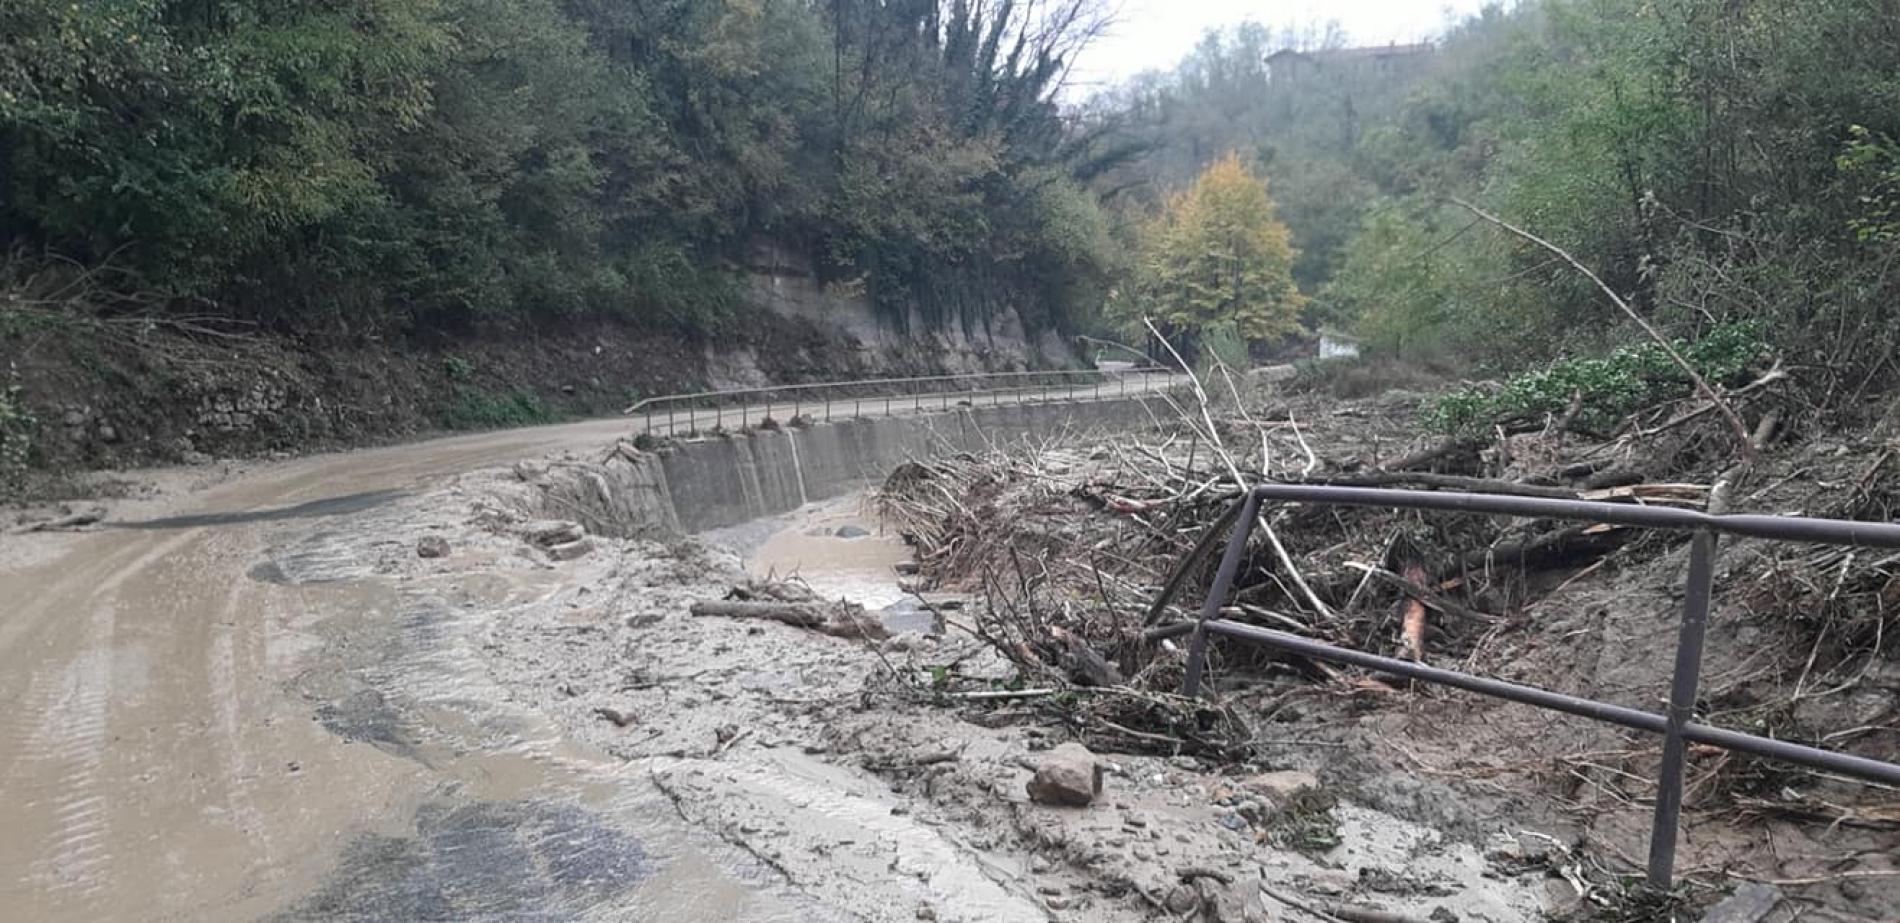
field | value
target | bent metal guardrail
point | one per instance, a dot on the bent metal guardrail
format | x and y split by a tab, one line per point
897	395
1675	725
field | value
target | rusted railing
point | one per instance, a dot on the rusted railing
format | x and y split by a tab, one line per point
1675	725
671	413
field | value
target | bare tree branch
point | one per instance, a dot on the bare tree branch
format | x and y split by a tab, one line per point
1701	385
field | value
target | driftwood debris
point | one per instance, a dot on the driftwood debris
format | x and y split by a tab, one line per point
795	605
73	522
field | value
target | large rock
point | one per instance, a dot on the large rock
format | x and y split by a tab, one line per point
568	551
432	546
1069	775
551	532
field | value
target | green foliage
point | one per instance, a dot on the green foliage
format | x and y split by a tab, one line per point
457	368
1216	263
17	429
474	408
390	166
1606	388
1221	342
1714	162
1874	160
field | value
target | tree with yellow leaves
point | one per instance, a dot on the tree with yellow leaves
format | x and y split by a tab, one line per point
1216	264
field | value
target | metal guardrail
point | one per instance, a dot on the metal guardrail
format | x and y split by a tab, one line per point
1675	725
894	395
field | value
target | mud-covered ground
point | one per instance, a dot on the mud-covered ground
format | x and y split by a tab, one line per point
829	760
1798	646
419	709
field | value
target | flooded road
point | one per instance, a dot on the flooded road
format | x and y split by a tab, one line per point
220	711
837	547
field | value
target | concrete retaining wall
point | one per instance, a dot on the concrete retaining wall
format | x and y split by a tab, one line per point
718	482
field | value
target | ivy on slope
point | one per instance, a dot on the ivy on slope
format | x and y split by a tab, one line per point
1609	387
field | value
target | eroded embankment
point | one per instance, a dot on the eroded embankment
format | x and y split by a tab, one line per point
1068	546
839	763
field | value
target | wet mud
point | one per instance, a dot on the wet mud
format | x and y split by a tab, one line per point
257	701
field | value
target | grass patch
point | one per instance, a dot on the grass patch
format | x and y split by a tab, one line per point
17	429
473	408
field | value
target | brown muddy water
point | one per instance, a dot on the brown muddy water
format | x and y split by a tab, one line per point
837	547
219	709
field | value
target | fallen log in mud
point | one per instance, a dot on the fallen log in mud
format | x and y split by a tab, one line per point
797	606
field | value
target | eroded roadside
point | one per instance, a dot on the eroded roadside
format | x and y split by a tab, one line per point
832	762
410	705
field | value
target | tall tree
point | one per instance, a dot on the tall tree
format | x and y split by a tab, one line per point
1217	261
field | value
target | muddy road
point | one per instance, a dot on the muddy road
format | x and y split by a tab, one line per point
248	695
197	730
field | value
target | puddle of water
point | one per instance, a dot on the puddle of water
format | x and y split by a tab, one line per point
836	546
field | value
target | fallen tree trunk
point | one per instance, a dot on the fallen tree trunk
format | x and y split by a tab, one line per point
840	619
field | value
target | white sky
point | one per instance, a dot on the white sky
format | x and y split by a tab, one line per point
1154	34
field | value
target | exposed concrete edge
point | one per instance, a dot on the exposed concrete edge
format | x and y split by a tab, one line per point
723	481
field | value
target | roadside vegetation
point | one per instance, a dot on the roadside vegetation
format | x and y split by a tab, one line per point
421	172
421	167
1717	164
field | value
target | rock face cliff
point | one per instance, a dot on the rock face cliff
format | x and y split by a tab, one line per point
783	283
104	402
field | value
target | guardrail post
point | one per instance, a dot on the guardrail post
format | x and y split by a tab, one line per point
1682	698
1217	594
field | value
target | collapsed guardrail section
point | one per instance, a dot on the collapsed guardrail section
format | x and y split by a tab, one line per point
1675	725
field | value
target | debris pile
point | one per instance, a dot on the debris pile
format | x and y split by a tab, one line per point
1081	554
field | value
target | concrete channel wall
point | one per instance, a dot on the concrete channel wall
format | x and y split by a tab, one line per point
724	481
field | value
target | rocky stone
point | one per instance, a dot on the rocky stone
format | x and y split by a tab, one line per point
1182	899
432	546
550	532
571	550
74	419
1069	775
107	433
902	643
194	457
1503	847
850	532
616	717
1281	786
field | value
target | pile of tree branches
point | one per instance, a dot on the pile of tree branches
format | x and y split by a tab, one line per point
1083	556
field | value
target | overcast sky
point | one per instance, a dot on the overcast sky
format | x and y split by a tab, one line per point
1154	34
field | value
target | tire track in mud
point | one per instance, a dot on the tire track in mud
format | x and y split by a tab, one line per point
520	825
59	732
72	734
